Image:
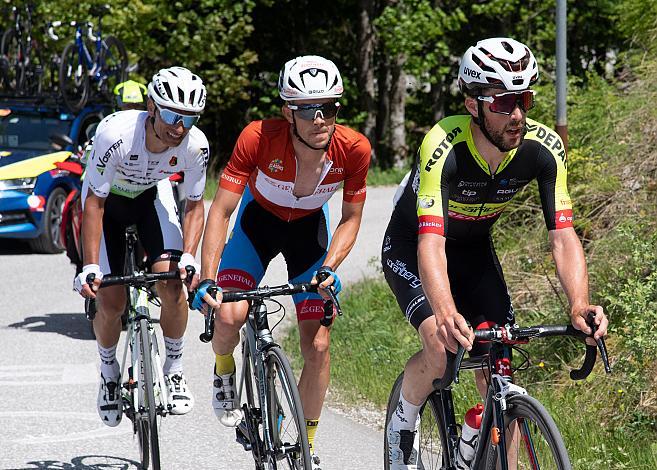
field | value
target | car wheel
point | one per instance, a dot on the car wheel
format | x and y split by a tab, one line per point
48	241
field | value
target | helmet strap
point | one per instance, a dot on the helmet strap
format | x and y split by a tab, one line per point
152	118
482	126
296	134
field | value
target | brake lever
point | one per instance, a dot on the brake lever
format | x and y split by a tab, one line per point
329	305
206	336
602	347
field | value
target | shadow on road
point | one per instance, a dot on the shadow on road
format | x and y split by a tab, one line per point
86	462
73	325
9	246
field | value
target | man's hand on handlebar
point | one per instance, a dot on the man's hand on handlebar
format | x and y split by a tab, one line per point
189	270
203	300
579	316
454	330
327	279
87	282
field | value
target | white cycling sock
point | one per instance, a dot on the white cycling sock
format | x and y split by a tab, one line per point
174	350
406	416
109	366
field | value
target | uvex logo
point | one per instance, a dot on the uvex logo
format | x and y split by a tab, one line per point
471	73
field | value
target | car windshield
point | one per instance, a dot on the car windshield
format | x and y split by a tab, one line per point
30	131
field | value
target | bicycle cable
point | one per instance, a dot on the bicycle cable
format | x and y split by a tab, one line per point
280	307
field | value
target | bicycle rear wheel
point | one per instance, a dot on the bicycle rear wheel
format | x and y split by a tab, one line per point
431	439
538	443
286	421
147	428
14	65
73	78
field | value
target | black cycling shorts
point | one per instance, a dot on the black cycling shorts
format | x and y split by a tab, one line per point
475	277
154	213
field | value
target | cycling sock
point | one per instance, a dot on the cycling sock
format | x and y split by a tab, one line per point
406	416
311	429
174	349
109	366
224	364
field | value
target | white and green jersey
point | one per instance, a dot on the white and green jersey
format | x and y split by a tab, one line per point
120	163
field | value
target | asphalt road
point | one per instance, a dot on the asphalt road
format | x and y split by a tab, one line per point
49	375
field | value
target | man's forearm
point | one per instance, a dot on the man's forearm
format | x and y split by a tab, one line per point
214	240
193	226
92	229
571	267
343	241
432	267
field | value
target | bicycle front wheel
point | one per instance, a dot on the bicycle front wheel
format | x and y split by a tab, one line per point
287	425
533	437
14	65
147	429
73	78
114	62
430	440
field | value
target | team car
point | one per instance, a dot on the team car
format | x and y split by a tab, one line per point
39	142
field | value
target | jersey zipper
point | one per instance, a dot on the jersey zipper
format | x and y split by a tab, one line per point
325	170
489	185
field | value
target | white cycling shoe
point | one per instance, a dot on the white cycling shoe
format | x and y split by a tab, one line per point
403	448
224	399
314	460
110	406
180	397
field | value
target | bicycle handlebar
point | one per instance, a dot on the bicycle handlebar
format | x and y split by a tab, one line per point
261	293
515	335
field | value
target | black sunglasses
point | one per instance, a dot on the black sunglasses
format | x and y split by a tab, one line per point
309	112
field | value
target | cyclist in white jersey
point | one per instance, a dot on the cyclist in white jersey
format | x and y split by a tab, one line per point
132	152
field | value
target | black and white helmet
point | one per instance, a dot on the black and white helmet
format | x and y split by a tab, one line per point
178	88
502	63
309	77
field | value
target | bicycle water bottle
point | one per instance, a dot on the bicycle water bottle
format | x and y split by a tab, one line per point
469	435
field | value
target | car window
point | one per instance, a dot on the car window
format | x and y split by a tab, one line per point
30	132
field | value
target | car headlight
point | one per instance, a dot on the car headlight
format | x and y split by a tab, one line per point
25	185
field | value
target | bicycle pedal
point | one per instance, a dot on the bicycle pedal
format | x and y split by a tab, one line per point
242	439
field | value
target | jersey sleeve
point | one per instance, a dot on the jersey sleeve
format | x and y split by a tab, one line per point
552	183
433	192
103	160
243	161
355	184
195	173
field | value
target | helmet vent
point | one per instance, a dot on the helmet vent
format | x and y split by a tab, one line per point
167	89
191	97
507	47
181	95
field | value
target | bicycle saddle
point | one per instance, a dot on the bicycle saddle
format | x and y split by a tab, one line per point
100	10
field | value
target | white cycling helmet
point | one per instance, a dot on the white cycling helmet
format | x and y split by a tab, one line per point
498	63
178	88
309	77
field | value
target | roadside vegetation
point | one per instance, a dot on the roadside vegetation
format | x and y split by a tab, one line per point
608	421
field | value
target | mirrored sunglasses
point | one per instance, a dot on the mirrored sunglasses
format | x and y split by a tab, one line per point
505	103
310	112
171	118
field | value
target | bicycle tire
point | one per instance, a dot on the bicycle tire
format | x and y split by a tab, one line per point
431	435
251	398
148	429
14	70
540	444
73	78
116	73
287	402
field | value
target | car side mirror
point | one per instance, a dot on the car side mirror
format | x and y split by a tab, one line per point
60	141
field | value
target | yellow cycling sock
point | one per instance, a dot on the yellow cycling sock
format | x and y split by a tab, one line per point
311	428
224	364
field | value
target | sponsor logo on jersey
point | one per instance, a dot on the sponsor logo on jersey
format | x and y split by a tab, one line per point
173	161
336	170
386	244
472	184
231	179
563	218
442	146
471	73
550	139
276	165
413	305
431	224
102	161
508	191
426	202
469	193
205	152
134	157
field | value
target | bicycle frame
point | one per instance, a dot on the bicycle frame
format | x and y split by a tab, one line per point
256	339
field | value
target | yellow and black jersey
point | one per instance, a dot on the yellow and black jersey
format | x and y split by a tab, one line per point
452	192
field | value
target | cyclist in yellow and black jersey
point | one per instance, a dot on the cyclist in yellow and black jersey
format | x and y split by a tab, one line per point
438	255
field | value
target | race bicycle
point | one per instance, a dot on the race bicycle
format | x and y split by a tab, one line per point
145	396
273	426
511	416
105	67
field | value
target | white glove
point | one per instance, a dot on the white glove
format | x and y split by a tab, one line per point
81	279
187	259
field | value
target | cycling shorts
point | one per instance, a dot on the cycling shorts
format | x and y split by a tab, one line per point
154	213
259	236
475	277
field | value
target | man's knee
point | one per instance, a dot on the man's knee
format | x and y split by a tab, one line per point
111	302
170	291
315	348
